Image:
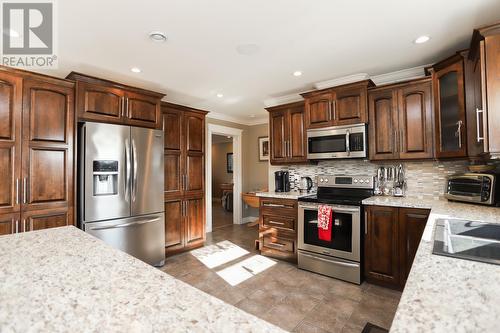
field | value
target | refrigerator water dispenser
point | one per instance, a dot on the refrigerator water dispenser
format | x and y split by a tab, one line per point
105	174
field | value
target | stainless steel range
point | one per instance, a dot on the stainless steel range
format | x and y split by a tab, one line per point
341	256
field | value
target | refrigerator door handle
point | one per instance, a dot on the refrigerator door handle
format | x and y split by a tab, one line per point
127	170
134	180
129	224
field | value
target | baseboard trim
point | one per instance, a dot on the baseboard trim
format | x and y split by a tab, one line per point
249	219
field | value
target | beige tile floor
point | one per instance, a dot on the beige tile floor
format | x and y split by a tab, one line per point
220	218
296	300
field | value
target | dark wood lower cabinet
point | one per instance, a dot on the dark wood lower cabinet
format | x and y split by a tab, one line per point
184	224
45	219
381	246
8	223
278	228
392	237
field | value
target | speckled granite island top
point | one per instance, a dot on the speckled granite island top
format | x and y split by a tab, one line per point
445	294
63	280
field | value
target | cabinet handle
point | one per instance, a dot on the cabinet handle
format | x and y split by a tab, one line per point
479	138
289	149
17	191
334	109
25	222
274	205
401	146
17	226
275	222
366	223
395	139
347	142
277	244
25	189
459	133
125	109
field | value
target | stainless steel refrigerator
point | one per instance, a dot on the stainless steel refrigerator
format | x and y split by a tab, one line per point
121	180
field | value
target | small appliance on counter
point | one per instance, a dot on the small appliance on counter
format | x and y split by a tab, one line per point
479	188
305	184
282	181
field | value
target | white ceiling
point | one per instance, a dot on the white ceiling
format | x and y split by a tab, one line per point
324	39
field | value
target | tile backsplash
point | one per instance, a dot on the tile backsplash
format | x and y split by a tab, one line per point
425	180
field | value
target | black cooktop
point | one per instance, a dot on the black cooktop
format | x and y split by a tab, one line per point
339	196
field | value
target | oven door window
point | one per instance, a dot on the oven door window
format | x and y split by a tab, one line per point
341	231
327	144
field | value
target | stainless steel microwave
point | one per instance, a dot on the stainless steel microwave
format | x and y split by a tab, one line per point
480	188
337	142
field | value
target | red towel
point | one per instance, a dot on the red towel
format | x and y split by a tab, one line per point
325	219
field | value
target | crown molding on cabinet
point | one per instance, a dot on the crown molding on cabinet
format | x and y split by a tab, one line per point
239	120
280	100
342	80
399	76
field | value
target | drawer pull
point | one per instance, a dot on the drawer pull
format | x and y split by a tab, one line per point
275	205
278	244
274	222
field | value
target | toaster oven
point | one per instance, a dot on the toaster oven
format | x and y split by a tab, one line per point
479	188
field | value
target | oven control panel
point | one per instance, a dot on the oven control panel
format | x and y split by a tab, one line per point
360	181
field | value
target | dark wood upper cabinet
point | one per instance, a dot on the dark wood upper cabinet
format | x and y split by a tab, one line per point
383	125
174	151
411	227
288	139
415	120
343	105
318	109
449	108
350	105
278	136
401	121
11	94
297	134
484	112
382	246
142	110
110	102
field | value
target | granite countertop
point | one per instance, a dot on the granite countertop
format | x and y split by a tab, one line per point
64	280
444	294
293	195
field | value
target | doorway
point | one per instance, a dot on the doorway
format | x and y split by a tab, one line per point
223	175
222	180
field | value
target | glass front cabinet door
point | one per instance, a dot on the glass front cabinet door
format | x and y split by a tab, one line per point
449	106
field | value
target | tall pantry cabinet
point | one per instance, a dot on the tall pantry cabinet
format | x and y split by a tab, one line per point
184	177
36	151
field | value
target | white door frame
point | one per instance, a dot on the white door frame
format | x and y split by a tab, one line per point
237	174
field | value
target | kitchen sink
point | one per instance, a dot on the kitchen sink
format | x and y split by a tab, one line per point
470	240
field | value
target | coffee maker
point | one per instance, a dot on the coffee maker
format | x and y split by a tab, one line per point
281	181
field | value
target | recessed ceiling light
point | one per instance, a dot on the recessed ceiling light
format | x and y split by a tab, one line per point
422	39
252	116
229	137
135	69
247	49
157	36
297	73
220	95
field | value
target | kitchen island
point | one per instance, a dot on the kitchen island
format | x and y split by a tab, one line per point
444	294
64	280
